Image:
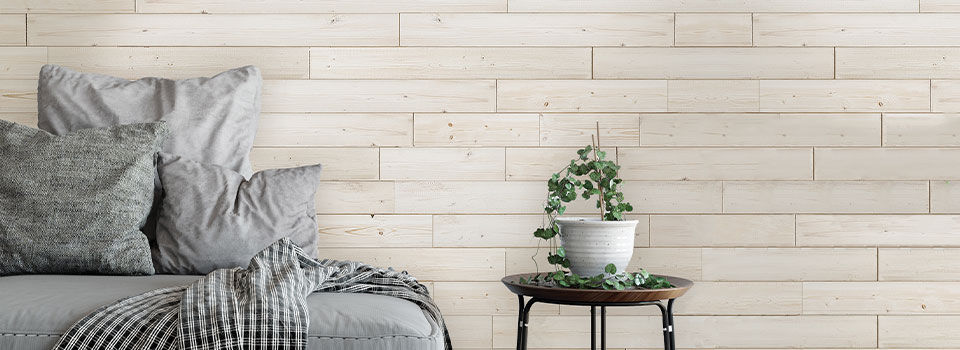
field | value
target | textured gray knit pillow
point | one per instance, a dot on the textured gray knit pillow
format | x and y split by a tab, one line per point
212	218
73	204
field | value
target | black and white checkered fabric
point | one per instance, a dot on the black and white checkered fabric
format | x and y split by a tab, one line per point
260	307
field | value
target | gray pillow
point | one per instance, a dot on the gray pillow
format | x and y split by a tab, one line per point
73	204
211	217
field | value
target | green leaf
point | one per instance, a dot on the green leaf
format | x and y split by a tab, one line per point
610	269
562	253
601	154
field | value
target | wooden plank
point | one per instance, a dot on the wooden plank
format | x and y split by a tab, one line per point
944	97
72	6
461	197
338	163
582	95
18	96
898	63
918	331
28	119
441	264
738	332
355	197
721	231
760	129
496	231
844	95
449	63
379	96
718	6
471	331
878	230
916	129
673	196
319	6
682	262
575	130
825	197
212	30
335	130
919	264
735	29
13	30
442	164
886	164
863	29
521	29
715	163
482	298
789	264
183	62
21	62
712	63
478	130
713	95
944	197
366	231
722	298
939	6
538	164
881	298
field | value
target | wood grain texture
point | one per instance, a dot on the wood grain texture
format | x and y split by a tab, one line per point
471	331
713	96
844	96
183	62
13	30
734	29
319	6
715	163
575	130
944	197
917	129
886	164
333	130
825	197
881	298
866	29
722	6
356	197
21	62
212	30
943	96
898	63
297	96
472	29
582	96
537	164
768	129
919	264
442	264
504	231
674	196
442	164
449	63
28	119
918	331
721	230
682	262
18	96
476	130
878	230
365	231
789	264
712	63
338	163
939	6
459	197
482	298
71	6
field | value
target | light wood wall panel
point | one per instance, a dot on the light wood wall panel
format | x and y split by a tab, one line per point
28	119
760	129
212	30
723	6
319	6
714	29
482	298
364	231
21	62
721	230
470	29
884	298
712	63
575	130
713	96
864	29
878	230
939	6
919	264
332	130
72	6
472	331
449	63
18	96
789	264
183	62
338	163
535	164
13	30
582	96
898	62
442	164
379	96
715	163
887	164
825	197
943	96
442	264
470	130
674	196
918	331
356	197
682	262
845	96
944	197
913	129
459	197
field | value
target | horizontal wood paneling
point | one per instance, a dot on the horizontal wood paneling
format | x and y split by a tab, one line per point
449	63
379	96
442	164
21	62
713	96
864	29
338	163
356	197
760	129
674	196
939	6
714	30
721	230
789	264
844	96
918	331
921	130
722	6
898	63
13	30
471	331
72	6
472	29
887	164
460	197
919	264
332	130
682	262
442	264
878	230
364	231
883	298
944	197
319	6
582	95
28	119
825	197
18	96
536	164
467	130
486	230
212	30
182	62
944	96
715	163
575	130
482	298
712	63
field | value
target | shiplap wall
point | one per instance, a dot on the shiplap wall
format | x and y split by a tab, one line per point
797	158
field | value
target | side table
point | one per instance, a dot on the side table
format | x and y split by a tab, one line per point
596	298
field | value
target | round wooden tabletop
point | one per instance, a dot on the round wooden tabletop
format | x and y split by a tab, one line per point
633	295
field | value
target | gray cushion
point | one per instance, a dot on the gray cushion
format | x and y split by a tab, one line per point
74	203
37	309
211	120
211	217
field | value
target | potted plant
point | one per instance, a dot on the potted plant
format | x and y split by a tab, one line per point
595	250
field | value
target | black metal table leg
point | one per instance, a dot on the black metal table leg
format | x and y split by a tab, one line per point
603	328
593	328
673	342
520	325
524	323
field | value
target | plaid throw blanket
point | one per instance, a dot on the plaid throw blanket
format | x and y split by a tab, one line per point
260	307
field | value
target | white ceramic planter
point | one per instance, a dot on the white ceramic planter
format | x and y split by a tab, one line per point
591	244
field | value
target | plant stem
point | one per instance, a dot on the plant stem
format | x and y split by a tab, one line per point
596	157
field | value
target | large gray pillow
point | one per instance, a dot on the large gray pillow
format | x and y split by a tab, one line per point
73	204
211	217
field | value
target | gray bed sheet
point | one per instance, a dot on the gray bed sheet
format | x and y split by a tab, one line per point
36	309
